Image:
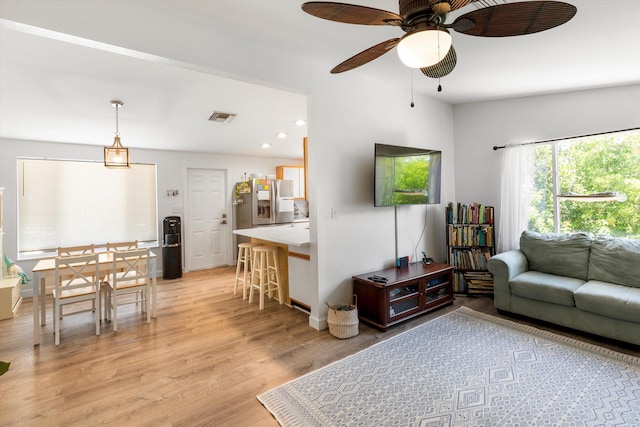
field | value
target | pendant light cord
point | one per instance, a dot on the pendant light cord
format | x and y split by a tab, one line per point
117	130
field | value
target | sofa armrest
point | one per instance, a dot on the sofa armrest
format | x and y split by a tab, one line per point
504	267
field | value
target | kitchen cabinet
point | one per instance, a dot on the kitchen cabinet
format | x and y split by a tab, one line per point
300	290
296	174
408	292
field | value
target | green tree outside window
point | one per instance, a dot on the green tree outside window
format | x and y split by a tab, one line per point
590	165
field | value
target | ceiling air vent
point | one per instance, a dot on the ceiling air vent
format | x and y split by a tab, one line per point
221	117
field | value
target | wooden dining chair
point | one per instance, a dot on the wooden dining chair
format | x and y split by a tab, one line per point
128	283
76	281
75	250
122	246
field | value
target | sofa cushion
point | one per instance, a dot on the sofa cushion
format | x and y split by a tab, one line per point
615	260
610	300
560	254
545	287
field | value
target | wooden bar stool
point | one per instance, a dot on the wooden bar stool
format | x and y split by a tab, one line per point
265	276
244	263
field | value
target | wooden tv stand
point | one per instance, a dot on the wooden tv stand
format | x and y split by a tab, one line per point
408	292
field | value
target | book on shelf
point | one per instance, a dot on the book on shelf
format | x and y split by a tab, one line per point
479	282
459	284
474	213
472	282
468	235
469	258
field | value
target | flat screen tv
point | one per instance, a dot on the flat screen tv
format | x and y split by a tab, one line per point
406	176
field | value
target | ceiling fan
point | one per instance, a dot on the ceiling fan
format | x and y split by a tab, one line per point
427	42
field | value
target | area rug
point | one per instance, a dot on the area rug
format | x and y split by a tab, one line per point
466	369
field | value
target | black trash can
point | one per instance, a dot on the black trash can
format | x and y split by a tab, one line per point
172	248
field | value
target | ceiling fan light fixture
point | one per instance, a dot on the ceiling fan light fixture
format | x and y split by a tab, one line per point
424	47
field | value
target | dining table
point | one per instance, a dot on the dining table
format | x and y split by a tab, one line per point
46	269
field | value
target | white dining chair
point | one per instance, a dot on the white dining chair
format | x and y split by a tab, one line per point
128	283
122	246
76	280
75	250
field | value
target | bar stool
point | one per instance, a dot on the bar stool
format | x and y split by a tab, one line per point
265	276
244	262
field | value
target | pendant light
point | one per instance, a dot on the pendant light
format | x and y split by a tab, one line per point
116	156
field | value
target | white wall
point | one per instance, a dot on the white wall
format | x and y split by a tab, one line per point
348	114
171	169
480	126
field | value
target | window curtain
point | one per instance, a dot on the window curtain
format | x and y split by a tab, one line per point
516	190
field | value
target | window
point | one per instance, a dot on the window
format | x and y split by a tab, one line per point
607	166
68	203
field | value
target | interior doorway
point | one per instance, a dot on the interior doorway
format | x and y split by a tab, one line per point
206	229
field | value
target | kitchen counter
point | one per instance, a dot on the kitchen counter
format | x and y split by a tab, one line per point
293	259
296	235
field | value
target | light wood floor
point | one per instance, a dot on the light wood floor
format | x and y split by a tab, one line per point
201	362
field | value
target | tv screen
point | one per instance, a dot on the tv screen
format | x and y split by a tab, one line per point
406	176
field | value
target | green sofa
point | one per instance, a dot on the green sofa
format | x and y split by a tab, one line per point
573	280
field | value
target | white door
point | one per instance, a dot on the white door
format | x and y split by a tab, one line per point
206	243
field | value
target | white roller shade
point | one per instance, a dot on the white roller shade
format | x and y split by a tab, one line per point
68	203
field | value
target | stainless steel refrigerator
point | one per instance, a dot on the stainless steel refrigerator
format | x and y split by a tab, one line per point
263	202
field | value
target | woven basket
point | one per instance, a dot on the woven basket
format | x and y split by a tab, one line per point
343	319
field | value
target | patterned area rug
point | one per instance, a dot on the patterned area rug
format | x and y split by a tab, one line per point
466	369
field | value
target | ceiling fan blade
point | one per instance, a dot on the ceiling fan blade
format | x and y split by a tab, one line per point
515	19
365	56
351	13
443	67
457	4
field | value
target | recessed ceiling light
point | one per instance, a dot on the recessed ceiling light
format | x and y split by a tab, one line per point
300	122
281	134
266	145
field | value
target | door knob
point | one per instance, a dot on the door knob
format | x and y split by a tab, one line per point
224	221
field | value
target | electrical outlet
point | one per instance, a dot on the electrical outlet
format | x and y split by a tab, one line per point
334	213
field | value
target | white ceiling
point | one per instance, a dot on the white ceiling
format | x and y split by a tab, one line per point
62	61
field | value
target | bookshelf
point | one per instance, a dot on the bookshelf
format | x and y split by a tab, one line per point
470	244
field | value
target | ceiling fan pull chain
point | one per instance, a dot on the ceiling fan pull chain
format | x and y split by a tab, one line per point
439	60
411	74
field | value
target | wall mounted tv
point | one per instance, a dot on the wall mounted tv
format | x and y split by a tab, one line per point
406	176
